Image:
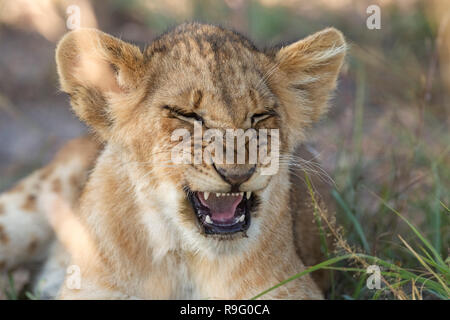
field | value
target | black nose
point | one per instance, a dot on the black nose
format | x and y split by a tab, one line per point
235	175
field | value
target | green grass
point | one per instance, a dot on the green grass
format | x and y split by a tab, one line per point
391	170
425	274
391	164
10	291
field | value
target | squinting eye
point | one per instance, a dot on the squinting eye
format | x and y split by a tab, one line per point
182	115
191	117
260	117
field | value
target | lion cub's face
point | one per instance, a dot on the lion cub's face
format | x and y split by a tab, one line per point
167	110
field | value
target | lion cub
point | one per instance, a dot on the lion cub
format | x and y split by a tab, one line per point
146	226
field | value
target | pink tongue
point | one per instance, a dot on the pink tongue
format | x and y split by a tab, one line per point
222	208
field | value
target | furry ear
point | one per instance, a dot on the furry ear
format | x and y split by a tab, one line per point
92	68
312	66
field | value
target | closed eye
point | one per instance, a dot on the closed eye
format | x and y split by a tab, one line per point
261	116
183	115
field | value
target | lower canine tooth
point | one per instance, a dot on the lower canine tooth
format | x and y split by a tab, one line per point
208	220
248	194
241	218
206	195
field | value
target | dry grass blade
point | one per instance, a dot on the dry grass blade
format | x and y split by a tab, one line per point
419	258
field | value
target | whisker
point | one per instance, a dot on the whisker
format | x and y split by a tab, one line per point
311	166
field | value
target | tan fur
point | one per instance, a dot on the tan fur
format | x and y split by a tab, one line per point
136	233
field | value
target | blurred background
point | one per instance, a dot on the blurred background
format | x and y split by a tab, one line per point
385	142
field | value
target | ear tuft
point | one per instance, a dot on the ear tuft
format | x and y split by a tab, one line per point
312	66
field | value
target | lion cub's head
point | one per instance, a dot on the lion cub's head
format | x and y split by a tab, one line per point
164	111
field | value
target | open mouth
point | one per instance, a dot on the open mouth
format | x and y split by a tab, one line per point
222	213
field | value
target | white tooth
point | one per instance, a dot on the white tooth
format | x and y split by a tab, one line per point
224	194
248	194
217	195
241	194
208	220
206	195
241	218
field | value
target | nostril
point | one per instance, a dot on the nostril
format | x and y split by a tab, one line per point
235	176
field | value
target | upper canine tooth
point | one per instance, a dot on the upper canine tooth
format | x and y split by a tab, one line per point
248	194
206	195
